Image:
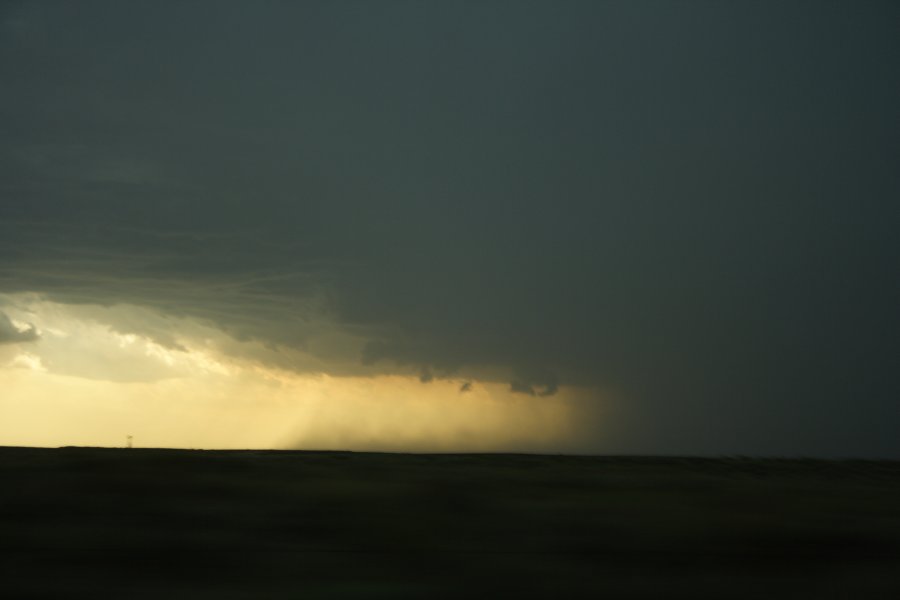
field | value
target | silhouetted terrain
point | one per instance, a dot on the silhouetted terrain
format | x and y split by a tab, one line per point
108	523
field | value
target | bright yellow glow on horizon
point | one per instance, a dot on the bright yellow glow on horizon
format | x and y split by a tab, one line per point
86	384
396	413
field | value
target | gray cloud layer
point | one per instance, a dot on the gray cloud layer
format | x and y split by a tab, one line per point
692	203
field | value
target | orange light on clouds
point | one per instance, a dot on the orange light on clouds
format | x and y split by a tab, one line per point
85	383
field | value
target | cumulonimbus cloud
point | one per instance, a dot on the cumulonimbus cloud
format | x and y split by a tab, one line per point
447	205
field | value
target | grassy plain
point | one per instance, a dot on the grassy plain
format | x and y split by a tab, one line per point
146	523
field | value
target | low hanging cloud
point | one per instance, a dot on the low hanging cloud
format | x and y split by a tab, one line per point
454	191
10	333
537	382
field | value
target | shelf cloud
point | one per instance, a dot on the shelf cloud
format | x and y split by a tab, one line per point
691	205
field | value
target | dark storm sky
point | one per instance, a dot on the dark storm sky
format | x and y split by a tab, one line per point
692	203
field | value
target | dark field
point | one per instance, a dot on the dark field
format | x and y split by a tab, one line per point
106	523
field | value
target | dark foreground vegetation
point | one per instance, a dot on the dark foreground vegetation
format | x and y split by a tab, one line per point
106	523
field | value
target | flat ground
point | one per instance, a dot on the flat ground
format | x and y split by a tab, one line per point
111	523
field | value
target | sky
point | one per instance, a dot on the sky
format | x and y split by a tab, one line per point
627	227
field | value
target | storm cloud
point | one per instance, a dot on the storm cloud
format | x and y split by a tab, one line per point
692	204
